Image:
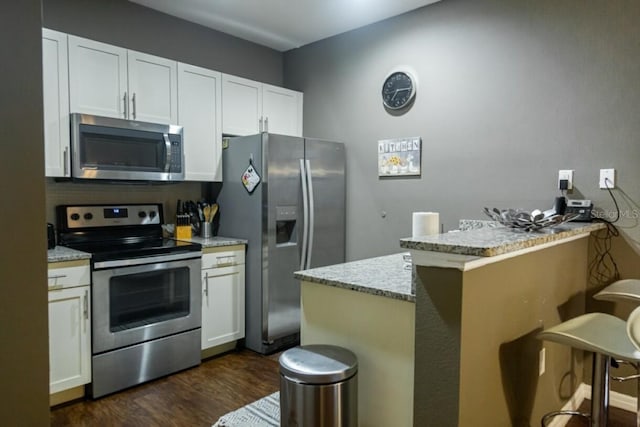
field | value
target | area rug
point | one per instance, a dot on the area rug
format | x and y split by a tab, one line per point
263	412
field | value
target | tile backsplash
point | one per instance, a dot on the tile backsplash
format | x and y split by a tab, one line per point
65	193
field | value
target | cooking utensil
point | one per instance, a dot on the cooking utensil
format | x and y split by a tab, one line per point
214	211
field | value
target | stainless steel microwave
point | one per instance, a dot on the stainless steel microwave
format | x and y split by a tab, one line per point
118	149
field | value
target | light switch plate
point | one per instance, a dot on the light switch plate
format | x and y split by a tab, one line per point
607	178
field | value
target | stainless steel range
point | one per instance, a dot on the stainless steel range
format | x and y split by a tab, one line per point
146	300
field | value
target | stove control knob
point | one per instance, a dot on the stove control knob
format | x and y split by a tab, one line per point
152	214
74	216
88	216
142	214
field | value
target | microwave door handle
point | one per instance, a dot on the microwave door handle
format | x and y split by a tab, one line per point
167	144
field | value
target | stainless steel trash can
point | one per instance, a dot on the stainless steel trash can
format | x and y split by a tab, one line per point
318	387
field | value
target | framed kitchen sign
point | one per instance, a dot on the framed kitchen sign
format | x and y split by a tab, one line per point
399	156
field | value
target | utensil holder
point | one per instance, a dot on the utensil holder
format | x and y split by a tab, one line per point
206	230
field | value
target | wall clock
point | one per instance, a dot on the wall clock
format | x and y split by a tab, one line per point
398	89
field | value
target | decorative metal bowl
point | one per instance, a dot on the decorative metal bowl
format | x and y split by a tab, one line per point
527	221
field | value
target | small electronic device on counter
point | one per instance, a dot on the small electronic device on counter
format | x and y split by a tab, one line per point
582	207
51	236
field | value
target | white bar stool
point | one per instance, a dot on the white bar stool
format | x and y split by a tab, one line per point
605	336
621	290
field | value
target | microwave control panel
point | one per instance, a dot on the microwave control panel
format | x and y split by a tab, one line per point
110	215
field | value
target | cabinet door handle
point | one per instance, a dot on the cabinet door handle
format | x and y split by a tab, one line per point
65	161
85	305
125	100
133	101
206	284
266	124
55	278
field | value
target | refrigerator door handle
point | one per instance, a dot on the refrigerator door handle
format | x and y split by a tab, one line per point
311	214
305	215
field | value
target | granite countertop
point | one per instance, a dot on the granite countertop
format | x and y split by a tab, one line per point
62	253
216	241
492	241
386	276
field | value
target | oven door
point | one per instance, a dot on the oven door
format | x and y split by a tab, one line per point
134	304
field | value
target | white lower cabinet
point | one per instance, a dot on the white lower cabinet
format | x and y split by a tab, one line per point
223	275
69	326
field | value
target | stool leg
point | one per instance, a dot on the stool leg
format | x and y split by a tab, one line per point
600	390
638	397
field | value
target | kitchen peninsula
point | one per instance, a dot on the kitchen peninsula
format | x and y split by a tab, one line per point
454	335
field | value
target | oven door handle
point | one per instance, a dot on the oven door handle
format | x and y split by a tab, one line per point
147	260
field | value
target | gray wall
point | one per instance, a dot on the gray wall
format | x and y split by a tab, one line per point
510	91
24	362
126	24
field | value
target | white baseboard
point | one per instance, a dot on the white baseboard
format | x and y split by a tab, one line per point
617	400
582	392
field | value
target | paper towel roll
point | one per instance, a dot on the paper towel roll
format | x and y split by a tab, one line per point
425	223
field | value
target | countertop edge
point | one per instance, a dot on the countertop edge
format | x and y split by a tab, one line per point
468	262
458	244
356	287
387	276
216	241
63	254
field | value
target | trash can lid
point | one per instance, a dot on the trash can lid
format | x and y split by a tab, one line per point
318	364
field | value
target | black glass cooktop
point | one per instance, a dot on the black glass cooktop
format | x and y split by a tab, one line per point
116	232
123	249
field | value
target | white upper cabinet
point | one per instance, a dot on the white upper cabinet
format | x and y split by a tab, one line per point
110	81
200	113
242	104
97	78
282	110
153	88
55	85
91	77
251	107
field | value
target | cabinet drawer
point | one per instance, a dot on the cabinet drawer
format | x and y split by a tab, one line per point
68	277
222	259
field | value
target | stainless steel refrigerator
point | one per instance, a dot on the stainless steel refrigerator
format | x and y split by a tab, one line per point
293	219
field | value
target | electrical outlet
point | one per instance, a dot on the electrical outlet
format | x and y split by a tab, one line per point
542	361
565	175
607	178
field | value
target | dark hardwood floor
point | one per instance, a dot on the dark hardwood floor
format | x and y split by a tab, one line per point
201	395
617	417
195	397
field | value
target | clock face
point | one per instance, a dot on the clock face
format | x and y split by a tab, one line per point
398	90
